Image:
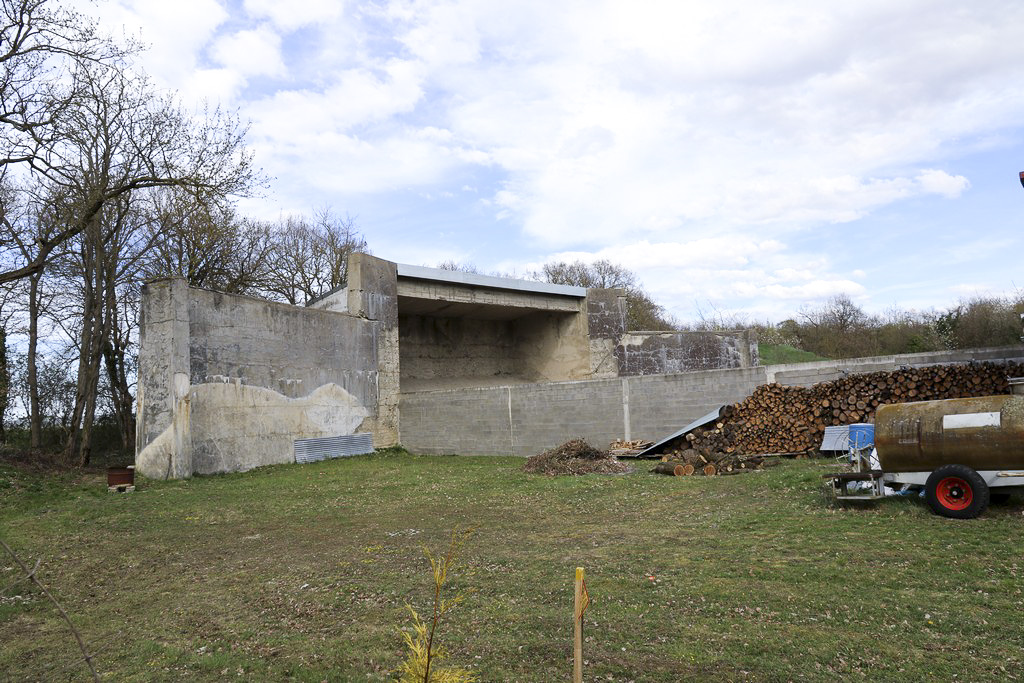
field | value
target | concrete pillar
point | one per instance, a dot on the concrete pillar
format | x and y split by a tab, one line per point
163	445
373	294
606	323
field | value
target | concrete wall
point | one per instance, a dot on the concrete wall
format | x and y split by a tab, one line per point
433	348
444	352
162	422
528	419
227	383
454	293
373	295
658	353
606	321
288	349
553	346
616	352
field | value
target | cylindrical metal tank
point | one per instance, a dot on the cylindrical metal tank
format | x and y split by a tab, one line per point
983	433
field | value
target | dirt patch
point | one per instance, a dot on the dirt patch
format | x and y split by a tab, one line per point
575	457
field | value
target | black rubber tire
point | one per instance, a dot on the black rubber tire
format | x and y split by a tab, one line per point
956	491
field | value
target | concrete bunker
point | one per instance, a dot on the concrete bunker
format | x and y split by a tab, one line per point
228	382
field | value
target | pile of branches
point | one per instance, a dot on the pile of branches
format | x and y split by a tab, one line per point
789	420
575	457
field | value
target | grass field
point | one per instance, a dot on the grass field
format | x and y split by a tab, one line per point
302	572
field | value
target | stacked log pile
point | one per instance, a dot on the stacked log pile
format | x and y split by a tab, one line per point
691	462
788	420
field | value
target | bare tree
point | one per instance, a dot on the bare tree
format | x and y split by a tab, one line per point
838	329
126	141
310	257
642	313
207	243
42	45
71	113
458	267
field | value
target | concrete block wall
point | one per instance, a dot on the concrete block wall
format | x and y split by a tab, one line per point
661	404
528	419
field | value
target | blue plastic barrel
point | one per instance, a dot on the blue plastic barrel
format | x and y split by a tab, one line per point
862	435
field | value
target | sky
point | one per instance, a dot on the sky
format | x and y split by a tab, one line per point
745	159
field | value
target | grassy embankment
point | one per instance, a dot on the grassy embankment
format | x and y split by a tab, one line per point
781	354
302	572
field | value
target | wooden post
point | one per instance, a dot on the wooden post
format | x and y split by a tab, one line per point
577	628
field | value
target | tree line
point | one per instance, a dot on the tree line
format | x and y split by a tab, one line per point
106	181
839	328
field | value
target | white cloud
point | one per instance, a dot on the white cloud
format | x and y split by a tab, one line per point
174	33
733	273
255	52
293	15
940	182
655	134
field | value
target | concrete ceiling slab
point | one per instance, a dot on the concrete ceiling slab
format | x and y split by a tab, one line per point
456	309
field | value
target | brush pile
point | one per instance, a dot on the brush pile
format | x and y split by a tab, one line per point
788	420
575	457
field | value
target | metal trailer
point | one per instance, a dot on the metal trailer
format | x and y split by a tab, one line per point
956	451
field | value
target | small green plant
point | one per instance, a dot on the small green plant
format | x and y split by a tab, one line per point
424	651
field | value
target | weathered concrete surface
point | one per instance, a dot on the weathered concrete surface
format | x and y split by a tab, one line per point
236	427
233	427
336	301
659	353
163	378
440	298
552	346
537	346
482	330
606	323
228	382
168	455
288	349
373	295
435	349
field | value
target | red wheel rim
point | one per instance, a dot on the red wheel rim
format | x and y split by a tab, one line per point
954	493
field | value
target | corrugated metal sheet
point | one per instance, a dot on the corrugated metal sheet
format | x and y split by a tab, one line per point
312	450
710	417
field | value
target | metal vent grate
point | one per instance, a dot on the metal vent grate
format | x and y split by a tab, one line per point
312	450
